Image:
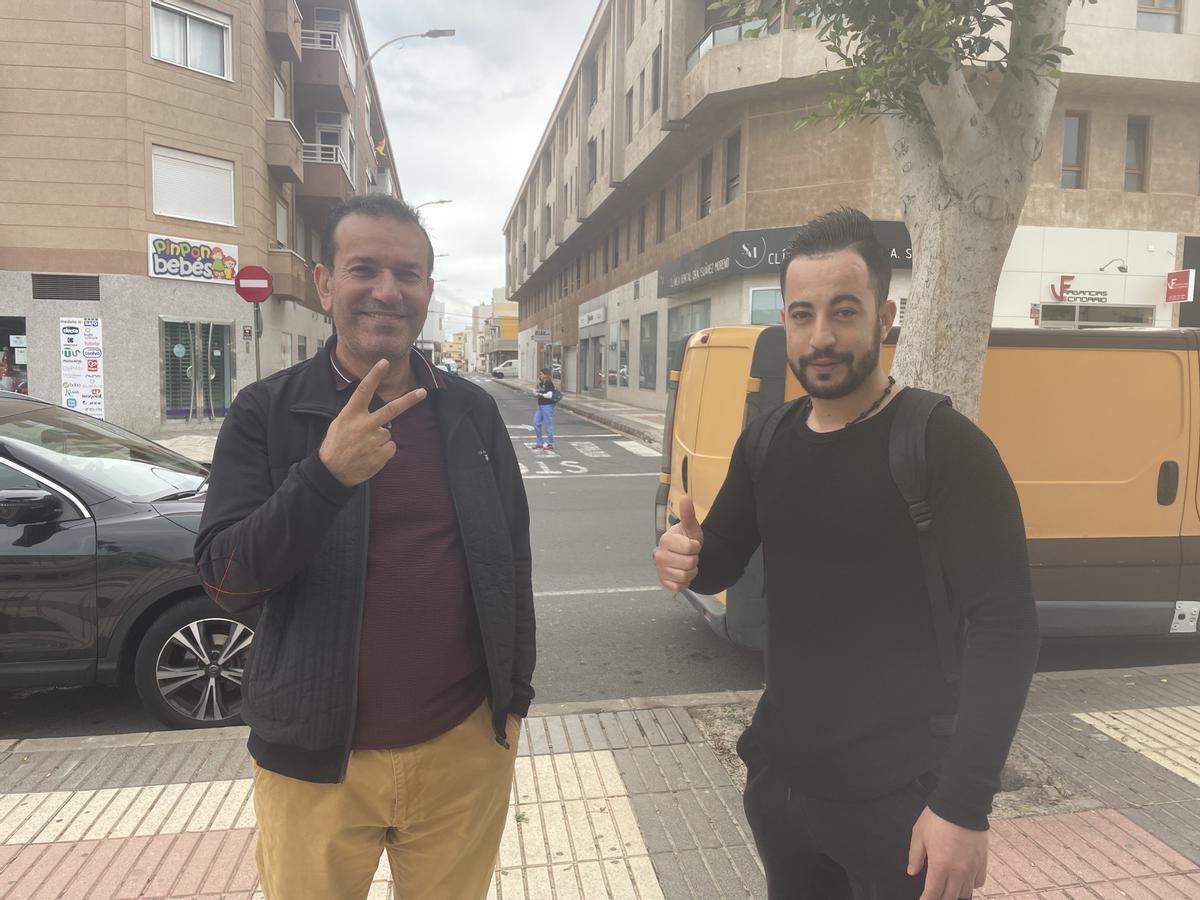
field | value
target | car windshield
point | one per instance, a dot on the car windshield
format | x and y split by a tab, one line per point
115	461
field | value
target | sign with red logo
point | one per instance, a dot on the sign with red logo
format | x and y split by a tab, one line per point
1065	290
1181	286
253	283
1064	285
1035	313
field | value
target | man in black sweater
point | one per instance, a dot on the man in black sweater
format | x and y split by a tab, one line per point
870	775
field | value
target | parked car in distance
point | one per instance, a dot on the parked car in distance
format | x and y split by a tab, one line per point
97	582
506	369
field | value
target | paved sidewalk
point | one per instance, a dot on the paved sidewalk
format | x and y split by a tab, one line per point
625	800
638	422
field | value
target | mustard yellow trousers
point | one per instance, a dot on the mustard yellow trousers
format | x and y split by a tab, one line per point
437	808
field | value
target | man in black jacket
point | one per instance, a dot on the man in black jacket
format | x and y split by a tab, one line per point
394	648
869	774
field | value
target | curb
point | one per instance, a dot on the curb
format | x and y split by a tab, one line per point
652	439
241	732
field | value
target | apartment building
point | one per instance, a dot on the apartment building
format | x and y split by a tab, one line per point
151	148
671	175
500	327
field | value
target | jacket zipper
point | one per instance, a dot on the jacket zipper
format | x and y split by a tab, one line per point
324	414
358	632
500	739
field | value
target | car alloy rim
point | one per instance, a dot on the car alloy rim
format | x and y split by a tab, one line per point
200	669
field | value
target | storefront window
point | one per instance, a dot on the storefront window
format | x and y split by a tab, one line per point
197	369
1071	315
765	306
625	353
597	353
614	334
682	321
648	353
14	350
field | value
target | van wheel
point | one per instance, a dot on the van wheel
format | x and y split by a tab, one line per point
189	665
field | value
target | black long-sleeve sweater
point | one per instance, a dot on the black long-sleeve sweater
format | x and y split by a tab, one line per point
855	691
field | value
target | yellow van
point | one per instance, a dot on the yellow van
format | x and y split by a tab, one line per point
1100	430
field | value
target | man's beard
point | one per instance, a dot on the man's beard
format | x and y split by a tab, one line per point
858	370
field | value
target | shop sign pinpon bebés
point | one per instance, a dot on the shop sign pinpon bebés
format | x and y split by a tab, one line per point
186	259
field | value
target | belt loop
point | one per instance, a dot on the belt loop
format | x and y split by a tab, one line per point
789	793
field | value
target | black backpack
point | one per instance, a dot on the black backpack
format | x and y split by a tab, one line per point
906	452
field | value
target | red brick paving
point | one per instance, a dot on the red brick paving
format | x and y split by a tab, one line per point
1098	855
1094	855
168	866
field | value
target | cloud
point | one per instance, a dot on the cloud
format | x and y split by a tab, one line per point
465	114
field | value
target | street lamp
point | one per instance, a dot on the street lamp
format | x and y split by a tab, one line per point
432	33
430	203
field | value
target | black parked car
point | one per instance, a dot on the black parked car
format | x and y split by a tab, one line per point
97	582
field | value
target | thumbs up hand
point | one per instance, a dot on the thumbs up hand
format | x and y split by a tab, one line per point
677	559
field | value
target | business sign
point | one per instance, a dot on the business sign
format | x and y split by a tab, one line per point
541	335
1035	313
1181	286
1066	291
185	259
593	317
81	353
760	252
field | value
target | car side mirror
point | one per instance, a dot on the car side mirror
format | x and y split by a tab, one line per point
28	506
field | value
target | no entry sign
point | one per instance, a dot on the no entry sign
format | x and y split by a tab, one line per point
253	283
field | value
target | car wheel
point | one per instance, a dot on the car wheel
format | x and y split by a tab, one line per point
190	663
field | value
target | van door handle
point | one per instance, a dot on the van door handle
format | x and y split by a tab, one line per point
1168	482
685	474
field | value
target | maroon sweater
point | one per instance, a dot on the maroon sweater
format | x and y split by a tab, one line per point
421	668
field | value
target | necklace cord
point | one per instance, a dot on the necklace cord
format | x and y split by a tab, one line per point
874	406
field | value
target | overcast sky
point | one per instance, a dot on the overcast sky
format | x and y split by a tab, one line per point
465	114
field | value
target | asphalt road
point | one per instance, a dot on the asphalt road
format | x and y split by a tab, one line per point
605	629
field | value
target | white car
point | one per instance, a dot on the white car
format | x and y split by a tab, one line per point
506	369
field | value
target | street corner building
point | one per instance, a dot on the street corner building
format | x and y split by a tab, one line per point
152	148
671	175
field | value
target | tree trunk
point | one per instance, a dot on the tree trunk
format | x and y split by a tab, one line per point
963	179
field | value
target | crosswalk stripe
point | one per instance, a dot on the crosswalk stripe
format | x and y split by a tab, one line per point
636	449
590	449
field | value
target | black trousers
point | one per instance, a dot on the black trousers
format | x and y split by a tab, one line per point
830	850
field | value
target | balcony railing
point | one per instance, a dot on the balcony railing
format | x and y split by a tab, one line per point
328	153
315	39
729	33
319	39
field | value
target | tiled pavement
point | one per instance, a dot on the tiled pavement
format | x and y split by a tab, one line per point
618	800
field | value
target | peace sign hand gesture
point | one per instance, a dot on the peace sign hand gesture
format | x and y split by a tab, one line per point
358	443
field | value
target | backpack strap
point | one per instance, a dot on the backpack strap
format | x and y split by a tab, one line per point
906	454
758	442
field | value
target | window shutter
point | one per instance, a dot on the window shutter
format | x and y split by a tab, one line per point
190	186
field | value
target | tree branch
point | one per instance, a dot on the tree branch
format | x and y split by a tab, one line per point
1015	102
952	107
916	157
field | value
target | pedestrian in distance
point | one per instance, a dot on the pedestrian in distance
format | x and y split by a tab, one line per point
547	396
898	658
394	646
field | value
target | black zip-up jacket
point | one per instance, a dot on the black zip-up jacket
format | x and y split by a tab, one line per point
280	533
